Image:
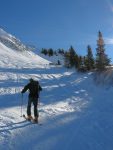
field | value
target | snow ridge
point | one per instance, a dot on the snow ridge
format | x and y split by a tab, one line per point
12	42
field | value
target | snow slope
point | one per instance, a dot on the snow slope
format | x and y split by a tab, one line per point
74	111
12	42
12	59
14	54
54	59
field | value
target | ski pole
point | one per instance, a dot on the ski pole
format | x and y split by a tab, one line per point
21	104
38	106
38	101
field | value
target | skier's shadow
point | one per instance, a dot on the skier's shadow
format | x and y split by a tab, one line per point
12	126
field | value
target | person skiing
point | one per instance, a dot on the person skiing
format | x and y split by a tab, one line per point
34	90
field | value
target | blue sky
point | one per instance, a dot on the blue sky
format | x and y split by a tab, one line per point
59	23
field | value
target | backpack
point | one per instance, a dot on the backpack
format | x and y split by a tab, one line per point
34	88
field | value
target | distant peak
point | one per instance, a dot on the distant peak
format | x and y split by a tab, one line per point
3	33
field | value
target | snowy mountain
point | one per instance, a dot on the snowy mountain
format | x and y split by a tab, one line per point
15	54
12	42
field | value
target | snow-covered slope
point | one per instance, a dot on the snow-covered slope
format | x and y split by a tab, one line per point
53	59
12	42
75	113
17	55
11	59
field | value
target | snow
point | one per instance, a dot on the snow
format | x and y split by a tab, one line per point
54	59
76	109
14	59
4	34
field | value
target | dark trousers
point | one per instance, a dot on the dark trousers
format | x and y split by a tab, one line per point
35	102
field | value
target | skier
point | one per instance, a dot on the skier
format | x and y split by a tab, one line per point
34	90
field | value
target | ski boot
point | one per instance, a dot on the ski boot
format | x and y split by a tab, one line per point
35	120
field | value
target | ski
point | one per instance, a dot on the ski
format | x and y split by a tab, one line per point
25	117
31	120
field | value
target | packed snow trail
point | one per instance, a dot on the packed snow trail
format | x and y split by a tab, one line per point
75	113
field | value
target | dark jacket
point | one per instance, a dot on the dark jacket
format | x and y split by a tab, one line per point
34	89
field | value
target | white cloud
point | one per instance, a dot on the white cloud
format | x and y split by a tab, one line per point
109	41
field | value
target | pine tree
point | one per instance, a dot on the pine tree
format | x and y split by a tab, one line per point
72	54
44	51
71	58
76	59
59	63
89	60
50	52
81	63
102	59
66	60
61	51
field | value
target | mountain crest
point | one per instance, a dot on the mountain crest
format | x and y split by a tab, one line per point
12	42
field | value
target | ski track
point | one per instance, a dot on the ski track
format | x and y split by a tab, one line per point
71	115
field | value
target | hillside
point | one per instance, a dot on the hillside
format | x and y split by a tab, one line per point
12	57
12	42
53	59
